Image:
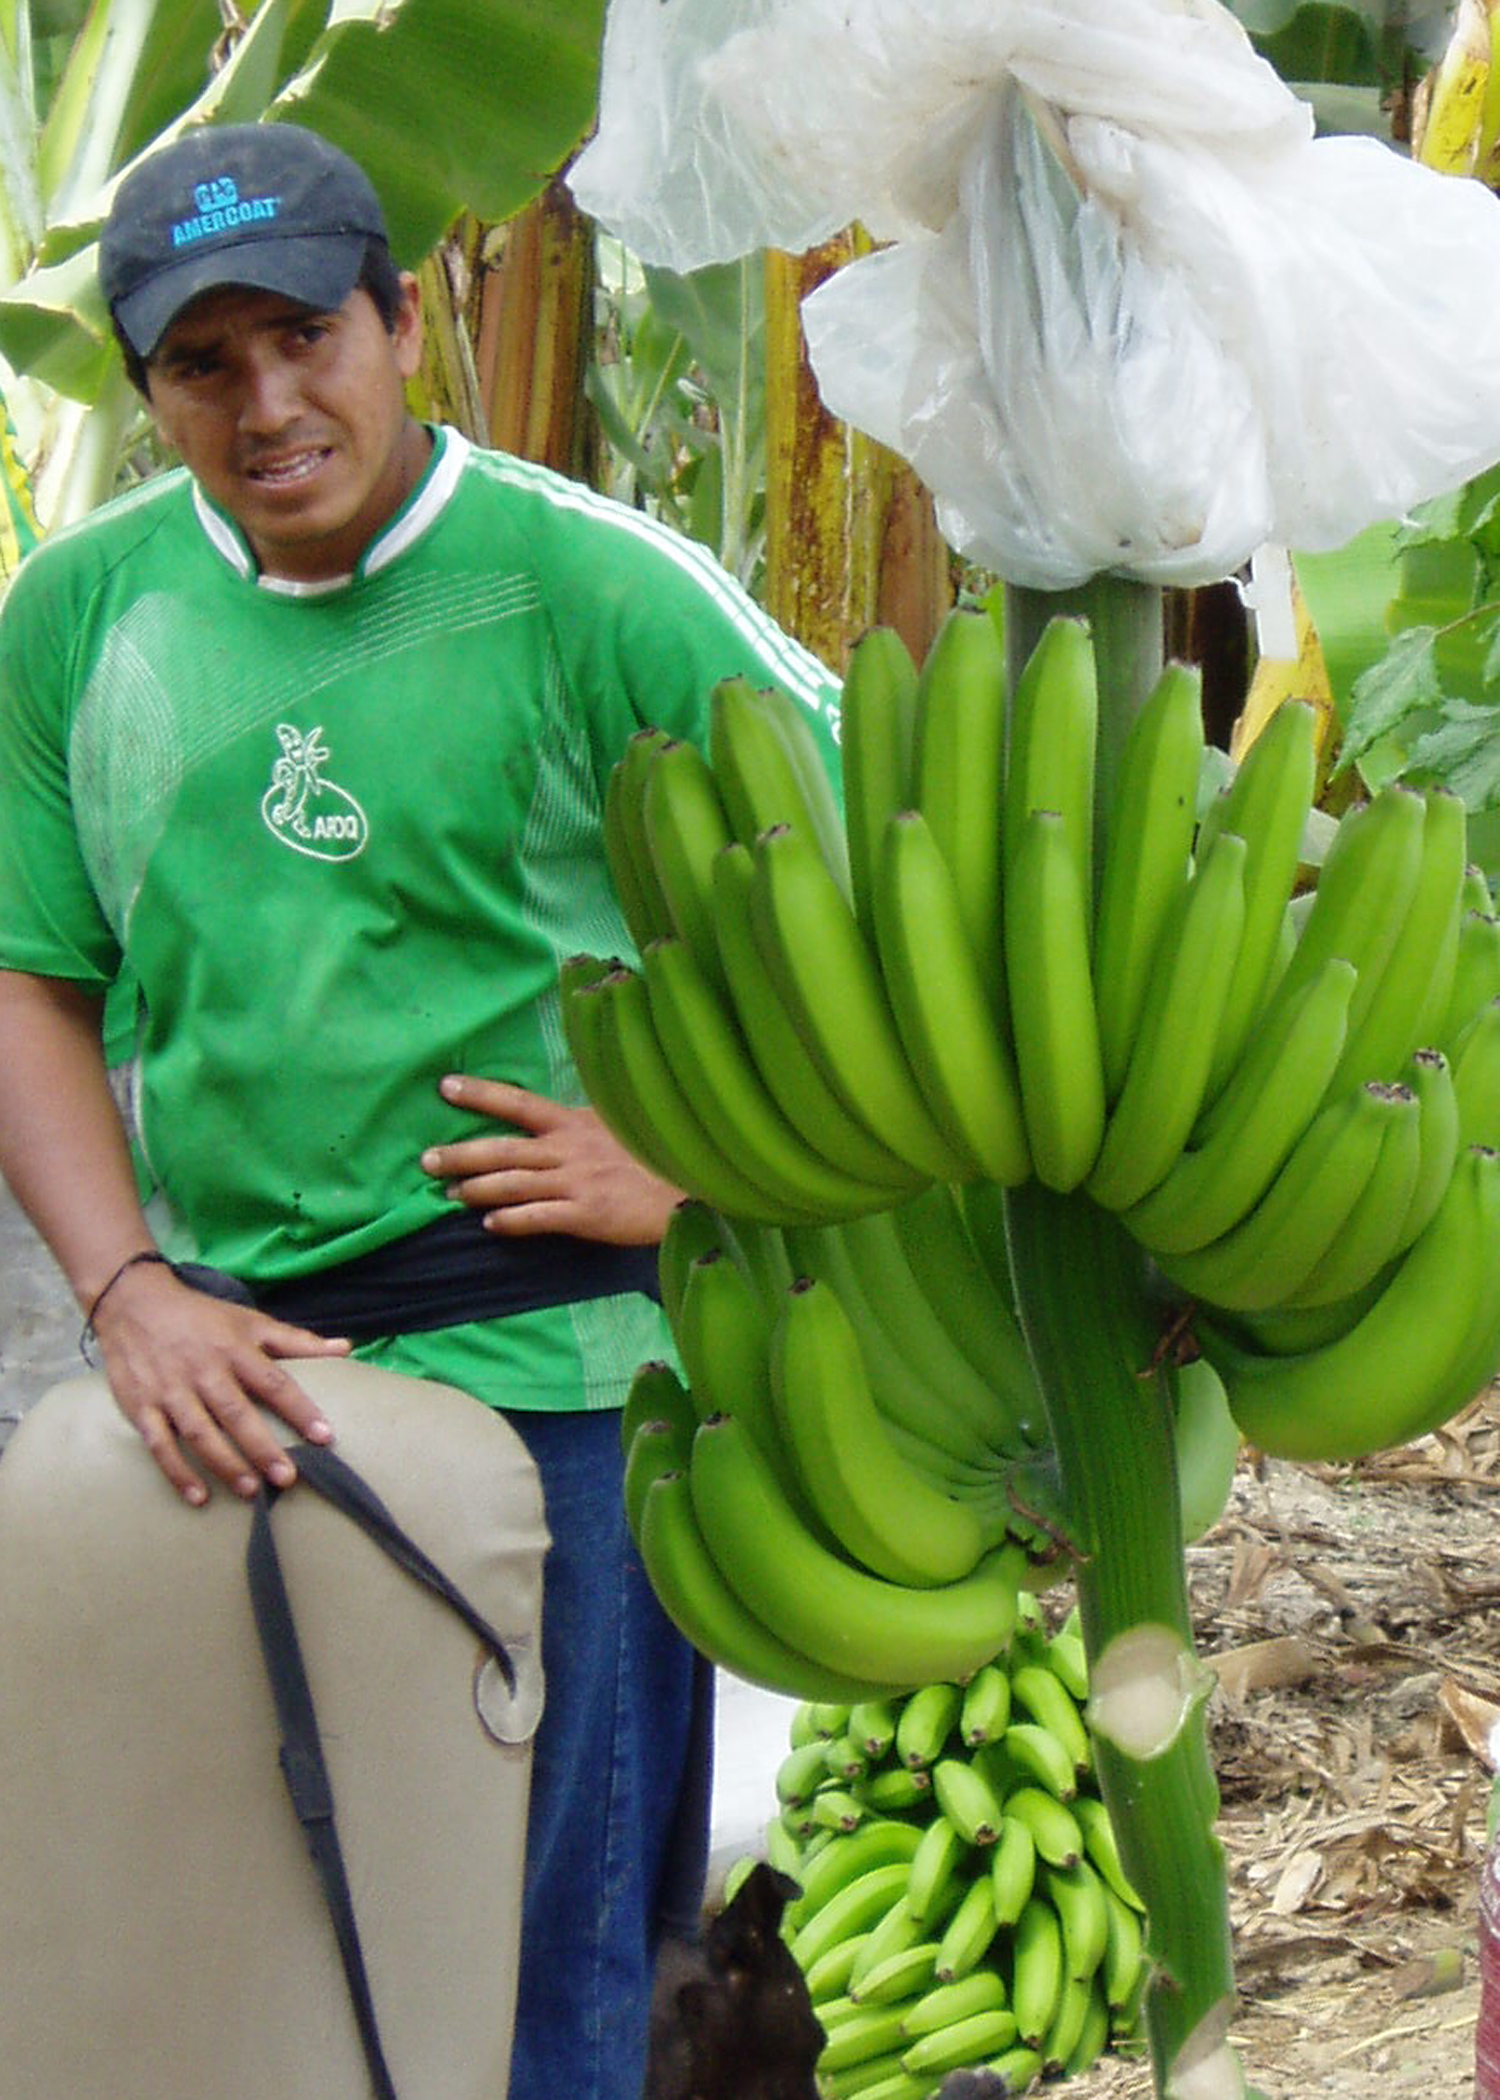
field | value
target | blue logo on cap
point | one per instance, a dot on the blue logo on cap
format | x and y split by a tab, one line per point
220	209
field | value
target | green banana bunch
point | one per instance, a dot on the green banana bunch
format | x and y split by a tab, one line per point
986	1924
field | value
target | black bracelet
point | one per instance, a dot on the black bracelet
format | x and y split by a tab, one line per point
131	1261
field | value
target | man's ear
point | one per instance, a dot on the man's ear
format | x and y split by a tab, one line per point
407	329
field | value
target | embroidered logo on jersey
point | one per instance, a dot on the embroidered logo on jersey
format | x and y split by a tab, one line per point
302	809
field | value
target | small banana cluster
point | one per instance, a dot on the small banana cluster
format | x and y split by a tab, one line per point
1289	1099
828	1501
962	1901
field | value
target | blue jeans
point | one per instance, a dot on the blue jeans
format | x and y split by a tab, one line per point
620	1743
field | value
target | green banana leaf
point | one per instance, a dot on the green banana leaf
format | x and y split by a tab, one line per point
447	103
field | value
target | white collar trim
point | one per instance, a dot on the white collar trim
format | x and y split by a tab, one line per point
451	450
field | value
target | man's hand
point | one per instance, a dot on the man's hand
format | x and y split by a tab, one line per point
191	1374
559	1170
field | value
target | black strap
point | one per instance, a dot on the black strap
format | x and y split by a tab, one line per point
301	1754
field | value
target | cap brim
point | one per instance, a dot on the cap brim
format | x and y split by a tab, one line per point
317	270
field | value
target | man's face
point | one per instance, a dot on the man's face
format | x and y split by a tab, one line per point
293	421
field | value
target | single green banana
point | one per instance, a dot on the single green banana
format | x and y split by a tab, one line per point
764	778
1077	1894
958	767
897	1932
1265	1258
1207	1445
1147	850
1102	1848
969	1933
831	984
783	1058
707	1612
692	1229
585	1026
982	1990
880	1841
1259	1118
1476	976
1410	999
894	1790
1267	804
1068	2021
684	824
1476	1078
1053	1020
877	1255
877	729
934	1868
657	1447
1370	1235
799	1774
1017	2068
1041	1693
945	1014
946	1265
872	1724
1013	1862
1477	894
1064	1653
827	1975
642	903
713	1066
641	1099
897	1978
851	1910
857	1623
1035	1751
846	1759
1376	1384
1055	1825
1124	1951
884	1513
926	1724
1093	2035
985	1711
1166	1078
907	1395
1430	1077
656	1394
837	1809
1364	889
967	2041
1037	1971
1050	755
965	1796
781	1850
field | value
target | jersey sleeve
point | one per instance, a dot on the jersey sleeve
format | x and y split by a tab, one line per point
51	924
647	622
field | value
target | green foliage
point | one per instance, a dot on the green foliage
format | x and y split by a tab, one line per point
679	387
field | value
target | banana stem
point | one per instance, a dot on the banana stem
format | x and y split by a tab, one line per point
1082	1305
1108	1408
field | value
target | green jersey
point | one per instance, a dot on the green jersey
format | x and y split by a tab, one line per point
343	836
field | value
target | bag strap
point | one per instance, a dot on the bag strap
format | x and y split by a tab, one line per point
301	1753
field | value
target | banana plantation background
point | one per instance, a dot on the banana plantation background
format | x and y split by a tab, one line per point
689	395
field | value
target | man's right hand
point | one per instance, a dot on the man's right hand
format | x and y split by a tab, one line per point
192	1374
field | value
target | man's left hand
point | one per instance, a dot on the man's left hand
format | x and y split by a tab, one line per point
559	1169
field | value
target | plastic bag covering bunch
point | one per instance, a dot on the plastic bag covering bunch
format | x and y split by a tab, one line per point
1129	314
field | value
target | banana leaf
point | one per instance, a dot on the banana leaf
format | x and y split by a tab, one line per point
447	103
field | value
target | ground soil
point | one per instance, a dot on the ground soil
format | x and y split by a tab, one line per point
1352	1617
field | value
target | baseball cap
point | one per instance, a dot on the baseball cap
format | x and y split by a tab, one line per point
271	206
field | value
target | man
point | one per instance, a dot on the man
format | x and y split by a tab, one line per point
312	733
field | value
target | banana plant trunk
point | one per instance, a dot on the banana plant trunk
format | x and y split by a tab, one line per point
1106	1377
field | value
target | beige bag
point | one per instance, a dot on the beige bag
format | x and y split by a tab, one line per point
165	1933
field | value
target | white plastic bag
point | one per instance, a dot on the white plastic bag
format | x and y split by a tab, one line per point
1133	316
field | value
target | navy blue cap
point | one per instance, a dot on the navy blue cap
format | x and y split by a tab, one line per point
270	206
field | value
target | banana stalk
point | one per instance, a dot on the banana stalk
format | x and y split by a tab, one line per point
1108	1399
